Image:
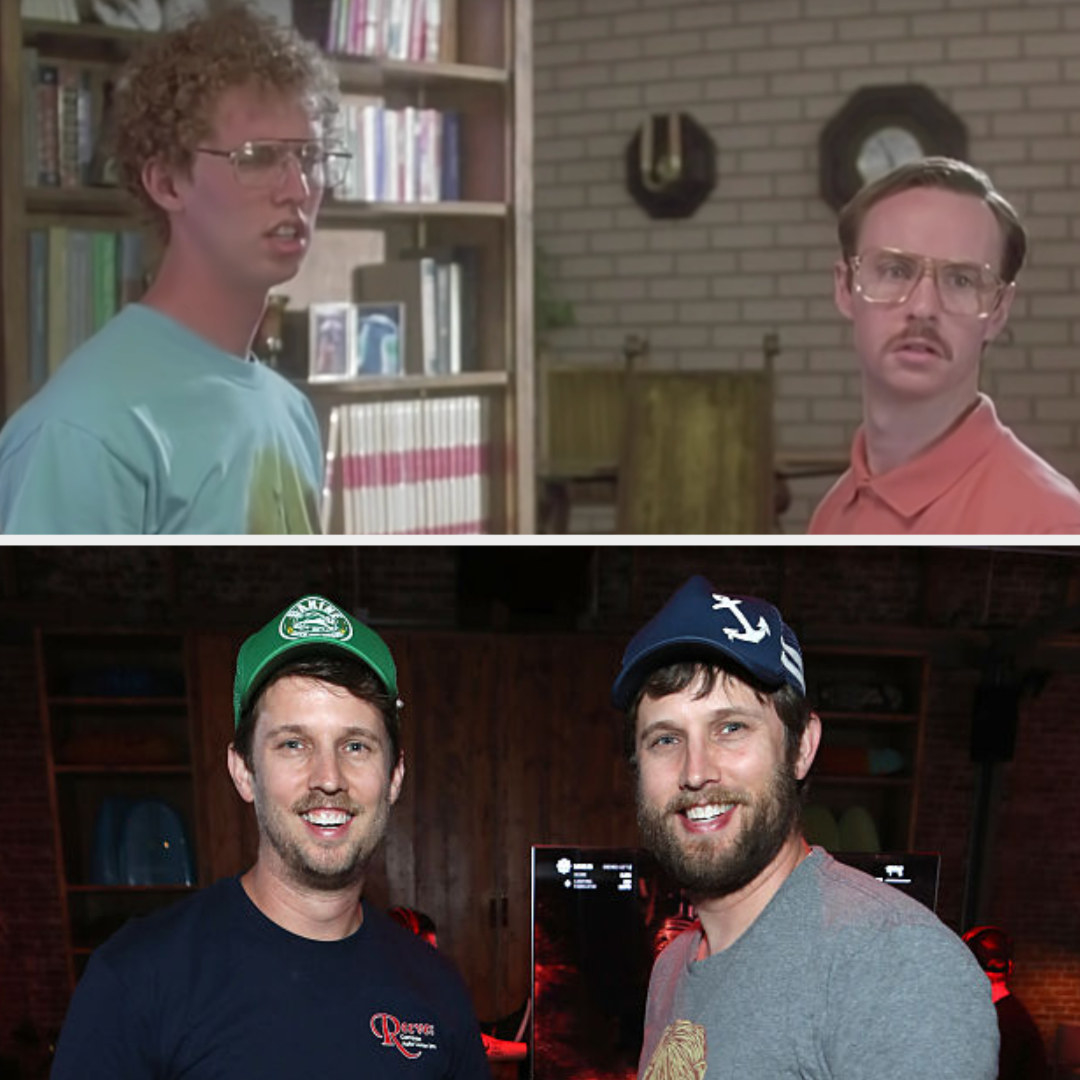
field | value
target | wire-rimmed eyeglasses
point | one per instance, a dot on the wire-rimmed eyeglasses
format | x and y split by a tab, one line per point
889	276
264	163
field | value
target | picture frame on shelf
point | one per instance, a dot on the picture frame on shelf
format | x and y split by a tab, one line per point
331	342
380	338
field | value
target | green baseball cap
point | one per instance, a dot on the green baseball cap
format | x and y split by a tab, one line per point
312	624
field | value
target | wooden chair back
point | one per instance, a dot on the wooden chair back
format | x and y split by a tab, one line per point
581	420
697	453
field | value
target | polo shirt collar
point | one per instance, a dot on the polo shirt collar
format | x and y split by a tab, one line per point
910	488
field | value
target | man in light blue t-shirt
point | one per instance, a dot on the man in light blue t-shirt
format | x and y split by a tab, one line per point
802	968
163	422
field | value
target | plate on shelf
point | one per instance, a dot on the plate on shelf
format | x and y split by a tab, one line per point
820	828
858	831
154	848
105	866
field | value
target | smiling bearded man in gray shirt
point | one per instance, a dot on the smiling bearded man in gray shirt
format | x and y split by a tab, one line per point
802	968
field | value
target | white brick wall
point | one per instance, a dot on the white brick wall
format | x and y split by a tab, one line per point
763	76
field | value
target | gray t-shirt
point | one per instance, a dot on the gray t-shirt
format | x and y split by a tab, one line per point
840	977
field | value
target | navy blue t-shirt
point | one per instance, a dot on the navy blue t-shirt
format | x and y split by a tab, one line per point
211	989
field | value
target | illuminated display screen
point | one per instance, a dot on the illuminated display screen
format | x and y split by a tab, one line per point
913	872
596	914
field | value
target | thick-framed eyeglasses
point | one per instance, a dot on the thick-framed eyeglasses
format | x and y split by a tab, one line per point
888	276
264	163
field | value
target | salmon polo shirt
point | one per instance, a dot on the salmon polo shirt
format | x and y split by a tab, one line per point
979	478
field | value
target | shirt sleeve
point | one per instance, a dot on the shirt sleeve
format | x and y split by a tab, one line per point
469	1055
472	1062
103	1037
63	479
911	1002
314	439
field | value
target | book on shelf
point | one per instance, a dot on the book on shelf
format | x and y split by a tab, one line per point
30	125
38	295
73	123
65	118
413	466
78	279
413	30
457	305
56	318
45	117
399	155
449	150
327	521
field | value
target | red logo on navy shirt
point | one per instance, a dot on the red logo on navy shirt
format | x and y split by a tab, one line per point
411	1038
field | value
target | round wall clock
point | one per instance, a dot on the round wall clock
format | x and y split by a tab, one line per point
879	128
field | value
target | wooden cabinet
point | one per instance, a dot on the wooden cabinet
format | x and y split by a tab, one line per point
137	722
488	85
863	783
510	742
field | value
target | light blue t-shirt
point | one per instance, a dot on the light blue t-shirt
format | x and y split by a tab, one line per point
149	428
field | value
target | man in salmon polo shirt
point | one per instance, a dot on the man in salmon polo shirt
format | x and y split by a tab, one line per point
927	276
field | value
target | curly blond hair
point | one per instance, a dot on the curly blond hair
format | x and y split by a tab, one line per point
167	92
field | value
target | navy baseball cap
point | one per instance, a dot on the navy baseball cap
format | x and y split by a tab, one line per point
699	622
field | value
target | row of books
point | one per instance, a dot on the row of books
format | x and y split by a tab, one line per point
400	155
394	29
64	104
417	466
77	280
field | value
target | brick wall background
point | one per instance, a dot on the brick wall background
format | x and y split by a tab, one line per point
763	78
934	596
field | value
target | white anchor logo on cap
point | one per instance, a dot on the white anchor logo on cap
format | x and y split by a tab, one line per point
748	633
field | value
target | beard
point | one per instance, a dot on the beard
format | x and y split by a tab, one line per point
708	869
318	867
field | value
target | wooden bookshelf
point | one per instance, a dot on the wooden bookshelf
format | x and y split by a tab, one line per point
489	83
118	728
871	701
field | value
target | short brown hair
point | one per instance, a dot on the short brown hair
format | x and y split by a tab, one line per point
949	175
167	92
